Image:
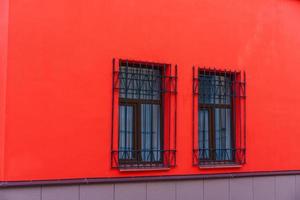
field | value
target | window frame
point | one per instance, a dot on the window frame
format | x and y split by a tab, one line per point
166	141
211	108
237	132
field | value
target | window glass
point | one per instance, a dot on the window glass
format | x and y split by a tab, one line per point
126	131
140	87
150	127
140	83
215	117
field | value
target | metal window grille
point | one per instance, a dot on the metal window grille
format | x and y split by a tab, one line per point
219	110
146	95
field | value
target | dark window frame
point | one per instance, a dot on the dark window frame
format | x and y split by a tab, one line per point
163	153
211	108
237	109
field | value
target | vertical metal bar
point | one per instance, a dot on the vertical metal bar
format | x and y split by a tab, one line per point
176	73
205	151
126	91
224	84
112	112
233	108
193	113
157	150
234	102
228	111
170	101
200	81
163	90
136	125
151	114
158	135
138	135
213	113
238	96
245	122
240	90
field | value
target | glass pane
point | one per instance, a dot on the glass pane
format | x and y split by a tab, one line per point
206	91
150	127
203	134
222	90
126	131
140	83
223	134
214	89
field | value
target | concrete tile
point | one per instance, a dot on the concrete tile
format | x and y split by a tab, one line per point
216	189
97	192
130	191
264	188
189	190
60	193
161	191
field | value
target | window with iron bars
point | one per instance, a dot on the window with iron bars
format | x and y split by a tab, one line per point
220	112
146	135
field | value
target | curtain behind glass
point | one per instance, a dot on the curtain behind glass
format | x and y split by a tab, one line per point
126	132
203	134
150	127
223	134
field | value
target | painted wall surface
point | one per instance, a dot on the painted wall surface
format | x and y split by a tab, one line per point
4	7
59	78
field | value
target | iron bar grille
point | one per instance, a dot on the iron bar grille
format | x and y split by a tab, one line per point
146	115
219	117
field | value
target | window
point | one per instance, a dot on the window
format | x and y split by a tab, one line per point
139	114
145	94
220	137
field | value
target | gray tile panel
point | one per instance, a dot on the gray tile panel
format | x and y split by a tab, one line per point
133	191
297	188
216	189
248	188
161	191
26	193
97	192
285	187
241	187
264	188
189	190
60	193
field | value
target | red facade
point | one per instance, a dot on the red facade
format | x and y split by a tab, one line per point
56	79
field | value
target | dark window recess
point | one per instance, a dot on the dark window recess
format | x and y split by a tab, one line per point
220	113
146	116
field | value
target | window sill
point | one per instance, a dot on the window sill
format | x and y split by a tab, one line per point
219	166
144	169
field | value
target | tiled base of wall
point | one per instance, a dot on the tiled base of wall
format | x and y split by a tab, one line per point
255	188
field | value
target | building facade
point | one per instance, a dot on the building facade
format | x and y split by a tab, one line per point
149	99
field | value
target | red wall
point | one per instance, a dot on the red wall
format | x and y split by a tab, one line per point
4	7
58	89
